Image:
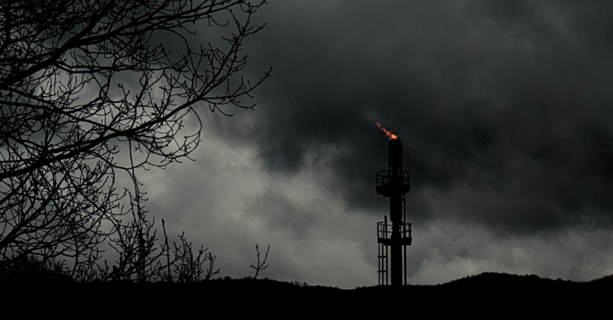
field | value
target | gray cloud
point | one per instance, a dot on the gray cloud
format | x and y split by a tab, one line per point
472	90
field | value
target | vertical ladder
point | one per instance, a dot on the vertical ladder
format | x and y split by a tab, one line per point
383	252
404	234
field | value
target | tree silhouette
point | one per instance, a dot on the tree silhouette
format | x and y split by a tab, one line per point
89	89
260	265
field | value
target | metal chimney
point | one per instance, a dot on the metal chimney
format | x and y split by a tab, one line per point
394	183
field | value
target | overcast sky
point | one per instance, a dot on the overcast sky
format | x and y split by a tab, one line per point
505	112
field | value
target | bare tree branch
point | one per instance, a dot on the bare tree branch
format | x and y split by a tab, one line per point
261	265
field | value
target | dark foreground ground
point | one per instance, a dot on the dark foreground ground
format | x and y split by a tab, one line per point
495	295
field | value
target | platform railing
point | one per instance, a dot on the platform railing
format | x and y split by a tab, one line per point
387	177
384	230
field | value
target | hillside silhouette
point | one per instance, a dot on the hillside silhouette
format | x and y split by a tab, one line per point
486	291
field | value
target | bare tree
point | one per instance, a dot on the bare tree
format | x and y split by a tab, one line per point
189	266
261	265
89	88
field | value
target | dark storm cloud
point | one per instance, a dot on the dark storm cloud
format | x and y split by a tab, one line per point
503	107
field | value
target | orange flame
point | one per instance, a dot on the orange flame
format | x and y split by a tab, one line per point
388	133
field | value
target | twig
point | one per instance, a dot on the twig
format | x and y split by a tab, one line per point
260	266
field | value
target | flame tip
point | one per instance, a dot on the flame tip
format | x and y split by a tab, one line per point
388	133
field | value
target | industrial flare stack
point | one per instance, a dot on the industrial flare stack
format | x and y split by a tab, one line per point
394	183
